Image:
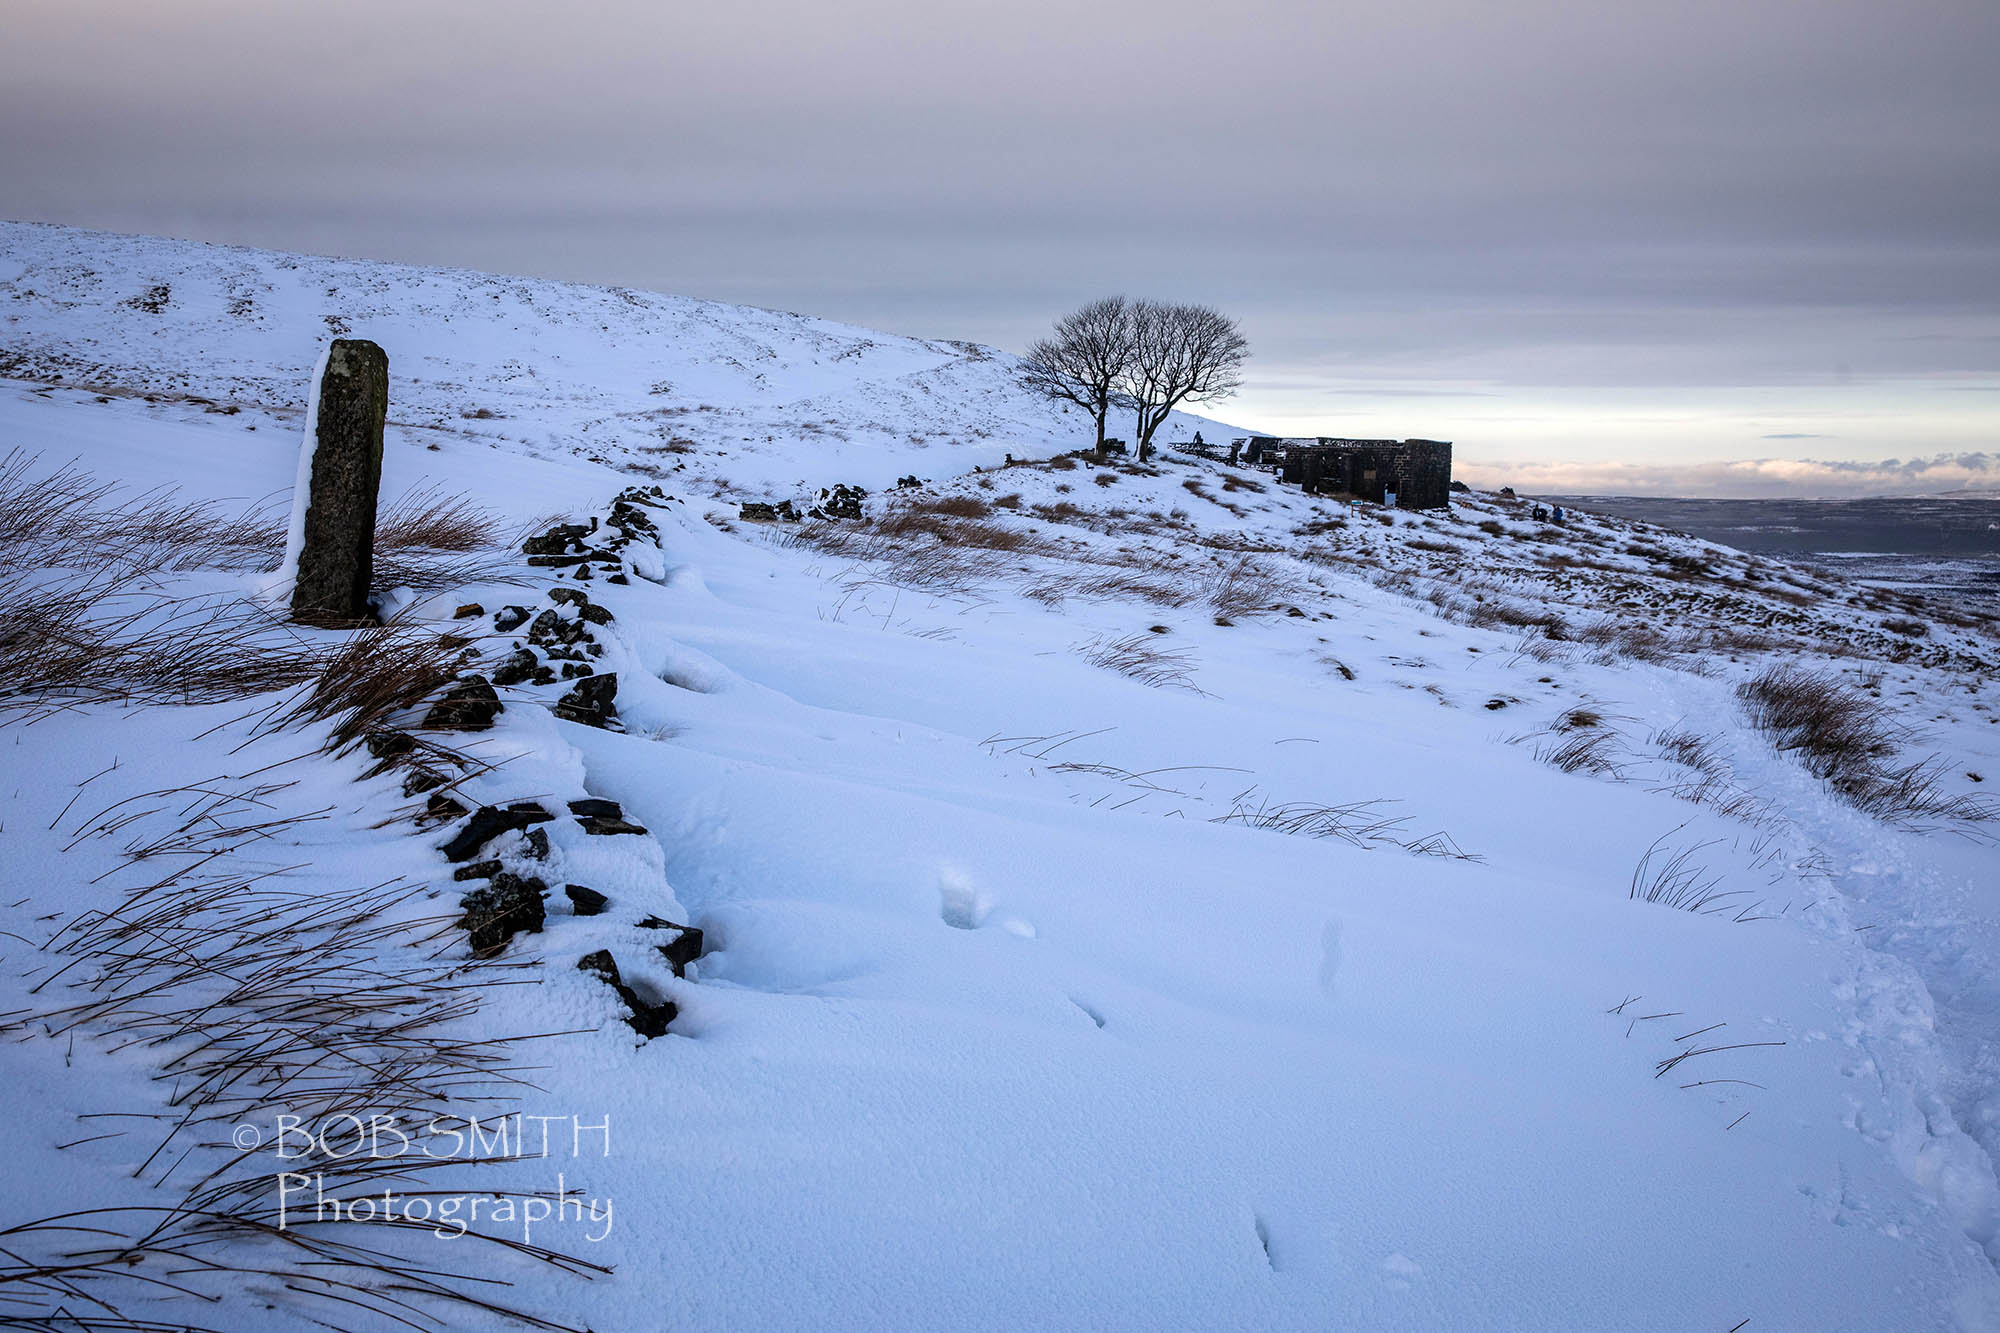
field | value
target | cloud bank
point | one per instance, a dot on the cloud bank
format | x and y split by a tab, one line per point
1753	478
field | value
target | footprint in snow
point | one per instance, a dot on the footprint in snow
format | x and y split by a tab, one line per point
965	908
1399	1270
962	906
1329	957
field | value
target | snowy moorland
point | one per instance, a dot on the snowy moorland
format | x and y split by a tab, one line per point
1065	895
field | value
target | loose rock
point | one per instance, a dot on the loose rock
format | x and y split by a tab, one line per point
507	906
470	705
648	1020
591	701
489	823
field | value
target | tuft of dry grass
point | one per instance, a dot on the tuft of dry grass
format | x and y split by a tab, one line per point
1848	740
1690	749
1357	823
433	520
254	995
84	617
97	639
1242	589
1671	878
1593	750
372	676
1839	732
1142	658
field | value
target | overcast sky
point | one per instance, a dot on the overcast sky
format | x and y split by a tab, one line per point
1677	235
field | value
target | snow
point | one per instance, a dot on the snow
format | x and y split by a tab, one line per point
295	531
1005	1020
766	403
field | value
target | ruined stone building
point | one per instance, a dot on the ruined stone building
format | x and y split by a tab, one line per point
1416	472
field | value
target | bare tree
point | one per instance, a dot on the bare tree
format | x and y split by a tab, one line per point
1083	362
1181	354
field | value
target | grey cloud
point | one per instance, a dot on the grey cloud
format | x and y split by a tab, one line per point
1681	197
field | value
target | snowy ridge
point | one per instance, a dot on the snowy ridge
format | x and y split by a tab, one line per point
1145	896
754	401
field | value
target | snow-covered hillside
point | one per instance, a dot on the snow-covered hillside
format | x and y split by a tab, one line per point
749	401
1131	896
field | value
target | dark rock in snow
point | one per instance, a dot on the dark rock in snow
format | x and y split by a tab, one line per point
585	608
550	628
389	744
648	1020
605	826
507	905
557	540
470	705
587	902
595	805
838	502
518	666
422	779
477	870
440	809
591	701
488	823
508	617
602	965
684	948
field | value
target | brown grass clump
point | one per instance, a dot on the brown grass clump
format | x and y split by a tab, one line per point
255	994
67	520
1141	658
1690	749
1848	740
952	520
1835	729
1242	589
1672	878
954	506
1357	823
1584	751
1056	588
373	675
431	520
83	617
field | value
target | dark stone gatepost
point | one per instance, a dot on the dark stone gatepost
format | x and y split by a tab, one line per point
337	560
